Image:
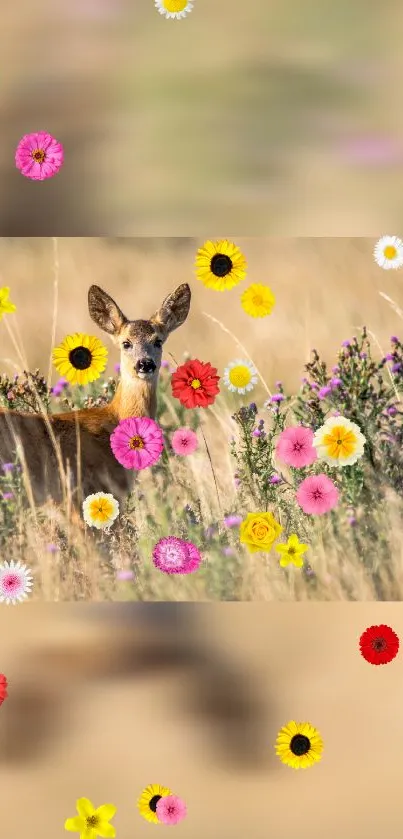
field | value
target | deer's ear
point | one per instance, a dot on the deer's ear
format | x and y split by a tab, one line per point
105	312
174	309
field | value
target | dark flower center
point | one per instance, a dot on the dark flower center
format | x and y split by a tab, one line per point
153	802
92	821
379	644
39	155
300	745
80	358
221	265
317	494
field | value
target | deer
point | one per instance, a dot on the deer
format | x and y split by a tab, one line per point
74	447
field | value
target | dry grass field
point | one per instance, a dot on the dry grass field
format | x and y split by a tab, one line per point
326	290
106	738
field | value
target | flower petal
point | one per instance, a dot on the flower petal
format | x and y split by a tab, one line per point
106	812
85	807
76	825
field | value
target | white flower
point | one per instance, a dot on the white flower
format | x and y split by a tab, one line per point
100	510
339	442
388	252
15	582
174	8
240	376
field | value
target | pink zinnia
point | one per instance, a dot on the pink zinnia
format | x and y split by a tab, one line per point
317	495
184	441
171	809
137	442
175	556
39	156
294	447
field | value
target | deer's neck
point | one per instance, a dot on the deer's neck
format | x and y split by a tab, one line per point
135	399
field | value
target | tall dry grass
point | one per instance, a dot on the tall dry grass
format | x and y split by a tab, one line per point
325	289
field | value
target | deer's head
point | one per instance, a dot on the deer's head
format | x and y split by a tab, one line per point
140	341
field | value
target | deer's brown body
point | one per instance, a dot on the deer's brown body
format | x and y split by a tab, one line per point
80	440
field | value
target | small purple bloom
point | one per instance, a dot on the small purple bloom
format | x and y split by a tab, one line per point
277	397
314	386
396	368
324	391
253	407
52	548
257	432
336	369
116	368
125	575
352	521
363	355
165	364
279	384
232	521
275	479
7	496
8	467
346	344
335	413
228	551
237	482
392	411
389	357
335	382
394	340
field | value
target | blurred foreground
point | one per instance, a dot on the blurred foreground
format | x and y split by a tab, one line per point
103	702
281	116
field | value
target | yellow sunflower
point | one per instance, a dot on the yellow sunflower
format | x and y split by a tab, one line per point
258	300
292	551
80	358
149	799
220	265
299	745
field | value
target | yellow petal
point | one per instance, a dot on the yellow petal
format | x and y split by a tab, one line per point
106	830
106	812
76	825
85	807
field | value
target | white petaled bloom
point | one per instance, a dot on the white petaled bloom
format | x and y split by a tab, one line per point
240	376
174	8
100	510
339	442
388	252
15	582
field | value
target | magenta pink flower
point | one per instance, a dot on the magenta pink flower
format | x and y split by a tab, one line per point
137	442
317	495
175	556
171	809
39	156
184	441
294	447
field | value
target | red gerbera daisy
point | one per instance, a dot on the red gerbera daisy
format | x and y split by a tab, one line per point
195	384
379	644
3	688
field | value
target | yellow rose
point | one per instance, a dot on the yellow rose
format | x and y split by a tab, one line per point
258	531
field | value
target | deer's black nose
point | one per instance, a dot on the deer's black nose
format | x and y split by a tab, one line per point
145	365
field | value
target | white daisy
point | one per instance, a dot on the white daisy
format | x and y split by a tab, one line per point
388	252
15	582
174	8
240	376
100	510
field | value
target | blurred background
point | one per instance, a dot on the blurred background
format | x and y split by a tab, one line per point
248	118
85	718
325	290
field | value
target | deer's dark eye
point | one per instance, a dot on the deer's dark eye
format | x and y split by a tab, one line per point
158	343
126	345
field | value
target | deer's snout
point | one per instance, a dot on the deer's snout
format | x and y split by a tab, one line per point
145	365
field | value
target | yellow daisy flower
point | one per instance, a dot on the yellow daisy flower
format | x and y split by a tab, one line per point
220	265
5	306
174	8
339	442
80	358
299	745
92	822
292	551
100	510
149	799
240	376
258	300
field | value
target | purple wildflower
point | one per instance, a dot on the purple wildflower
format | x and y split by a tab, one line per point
228	551
277	397
324	391
116	368
392	411
335	382
124	575
275	479
8	467
346	344
165	364
394	340
232	521
7	496
396	368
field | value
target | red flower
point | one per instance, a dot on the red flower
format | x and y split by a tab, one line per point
3	688
195	384
379	644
